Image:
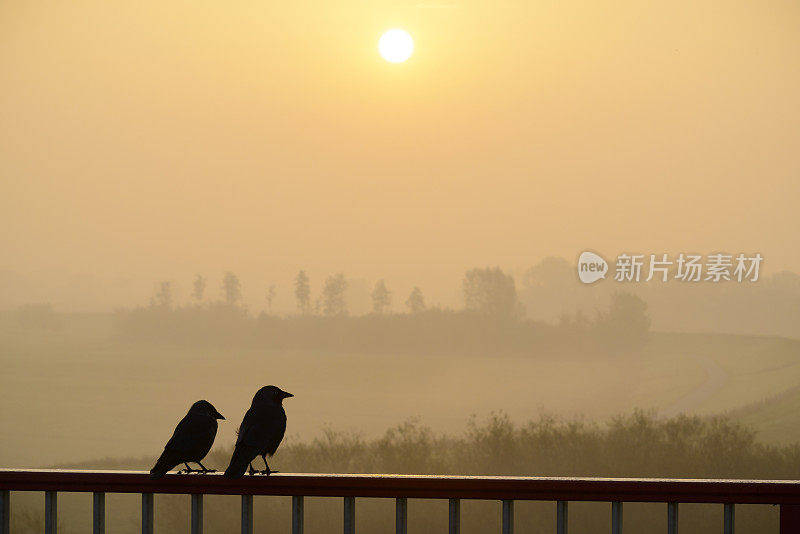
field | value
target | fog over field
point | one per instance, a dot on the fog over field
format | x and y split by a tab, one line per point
113	384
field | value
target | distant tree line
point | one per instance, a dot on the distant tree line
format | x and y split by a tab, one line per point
331	301
38	317
771	306
493	319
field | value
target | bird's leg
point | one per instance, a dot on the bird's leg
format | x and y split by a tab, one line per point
187	470
252	471
266	471
203	469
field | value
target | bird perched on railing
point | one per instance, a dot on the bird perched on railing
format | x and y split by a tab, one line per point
260	433
191	441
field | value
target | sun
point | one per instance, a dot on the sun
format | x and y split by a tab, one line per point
396	45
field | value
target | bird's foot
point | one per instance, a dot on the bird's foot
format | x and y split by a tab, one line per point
187	471
204	471
267	472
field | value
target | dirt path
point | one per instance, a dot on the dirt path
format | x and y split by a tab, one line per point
716	377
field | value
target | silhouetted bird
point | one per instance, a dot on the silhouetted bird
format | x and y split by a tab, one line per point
261	431
191	440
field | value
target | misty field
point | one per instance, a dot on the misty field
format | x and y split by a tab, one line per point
83	392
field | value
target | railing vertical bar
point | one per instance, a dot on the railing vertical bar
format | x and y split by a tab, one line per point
50	512
98	512
5	512
616	517
730	518
197	513
247	514
672	518
454	522
147	513
789	519
401	515
562	517
297	514
349	515
508	517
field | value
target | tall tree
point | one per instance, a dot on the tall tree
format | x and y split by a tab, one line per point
626	323
302	292
198	288
381	297
415	301
333	302
232	289
163	298
492	292
270	296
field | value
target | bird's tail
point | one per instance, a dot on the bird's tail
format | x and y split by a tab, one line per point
239	462
163	464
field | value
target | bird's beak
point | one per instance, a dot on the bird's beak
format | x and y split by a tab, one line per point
220	416
286	395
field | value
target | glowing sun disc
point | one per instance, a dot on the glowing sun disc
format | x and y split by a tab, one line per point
396	45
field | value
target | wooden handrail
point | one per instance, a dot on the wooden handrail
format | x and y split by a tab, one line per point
413	486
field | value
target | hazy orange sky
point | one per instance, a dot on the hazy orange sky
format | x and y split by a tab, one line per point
154	140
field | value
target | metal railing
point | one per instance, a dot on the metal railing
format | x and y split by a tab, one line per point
505	490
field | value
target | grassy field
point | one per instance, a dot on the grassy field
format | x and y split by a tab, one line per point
776	419
746	369
84	396
81	392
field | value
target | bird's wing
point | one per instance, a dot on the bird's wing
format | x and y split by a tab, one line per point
193	432
262	427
